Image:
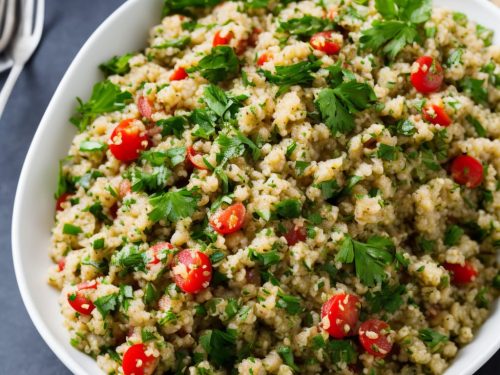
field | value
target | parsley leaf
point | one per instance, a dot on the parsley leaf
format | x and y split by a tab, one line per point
106	304
266	259
478	127
288	208
399	27
173	125
291	304
221	104
106	97
306	26
231	147
286	353
149	182
338	105
130	259
172	6
221	64
220	346
389	298
431	338
452	235
179	43
290	75
117	65
475	88
174	205
387	152
369	258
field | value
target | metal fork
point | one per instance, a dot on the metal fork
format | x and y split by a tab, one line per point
25	42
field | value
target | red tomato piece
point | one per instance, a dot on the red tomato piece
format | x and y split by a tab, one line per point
145	107
461	274
92	284
179	74
124	188
61	264
155	250
295	235
324	42
191	157
137	362
429	76
467	171
373	335
220	40
340	314
80	303
263	59
192	271
229	220
62	199
127	141
436	114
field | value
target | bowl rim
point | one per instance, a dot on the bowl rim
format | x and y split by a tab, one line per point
55	345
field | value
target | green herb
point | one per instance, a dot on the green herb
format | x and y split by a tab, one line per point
217	256
452	235
92	146
496	281
62	182
234	147
342	351
301	166
130	259
232	308
399	28
478	127
389	298
221	64
150	294
98	244
338	106
117	65
224	106
266	259
428	246
331	190
149	182
169	316
406	128
431	338
387	152
125	295
147	335
179	43
174	205
286	353
246	81
482	299
455	57
289	208
475	88
290	149
485	34
173	6
305	27
106	97
460	18
291	304
71	229
106	304
290	75
369	258
220	346
173	125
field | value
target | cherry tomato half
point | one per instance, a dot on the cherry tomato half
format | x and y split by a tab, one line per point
467	171
145	107
429	76
220	40
295	234
80	303
229	220
194	159
373	335
127	141
340	314
156	249
179	74
62	199
192	271
263	59
61	264
436	114
136	362
325	42
461	274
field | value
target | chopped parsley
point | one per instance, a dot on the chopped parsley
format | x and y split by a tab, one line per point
286	353
305	27
174	205
106	304
150	182
180	43
221	64
432	338
232	147
452	235
220	346
475	88
389	298
130	259
369	258
172	6
478	127
106	97
399	27
92	146
288	208
291	304
71	229
117	65
173	125
387	152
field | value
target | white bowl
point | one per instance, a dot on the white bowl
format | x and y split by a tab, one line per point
126	30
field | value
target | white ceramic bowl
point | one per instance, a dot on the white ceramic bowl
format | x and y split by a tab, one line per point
126	30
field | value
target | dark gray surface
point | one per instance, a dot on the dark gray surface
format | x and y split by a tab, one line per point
67	25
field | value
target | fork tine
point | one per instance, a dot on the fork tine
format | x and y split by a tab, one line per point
27	16
39	17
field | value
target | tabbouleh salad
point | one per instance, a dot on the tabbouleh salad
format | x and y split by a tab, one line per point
281	187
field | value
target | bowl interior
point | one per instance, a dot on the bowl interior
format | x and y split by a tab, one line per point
126	30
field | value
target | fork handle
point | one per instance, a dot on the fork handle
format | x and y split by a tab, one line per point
9	85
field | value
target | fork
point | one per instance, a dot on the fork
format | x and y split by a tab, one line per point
25	42
8	19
